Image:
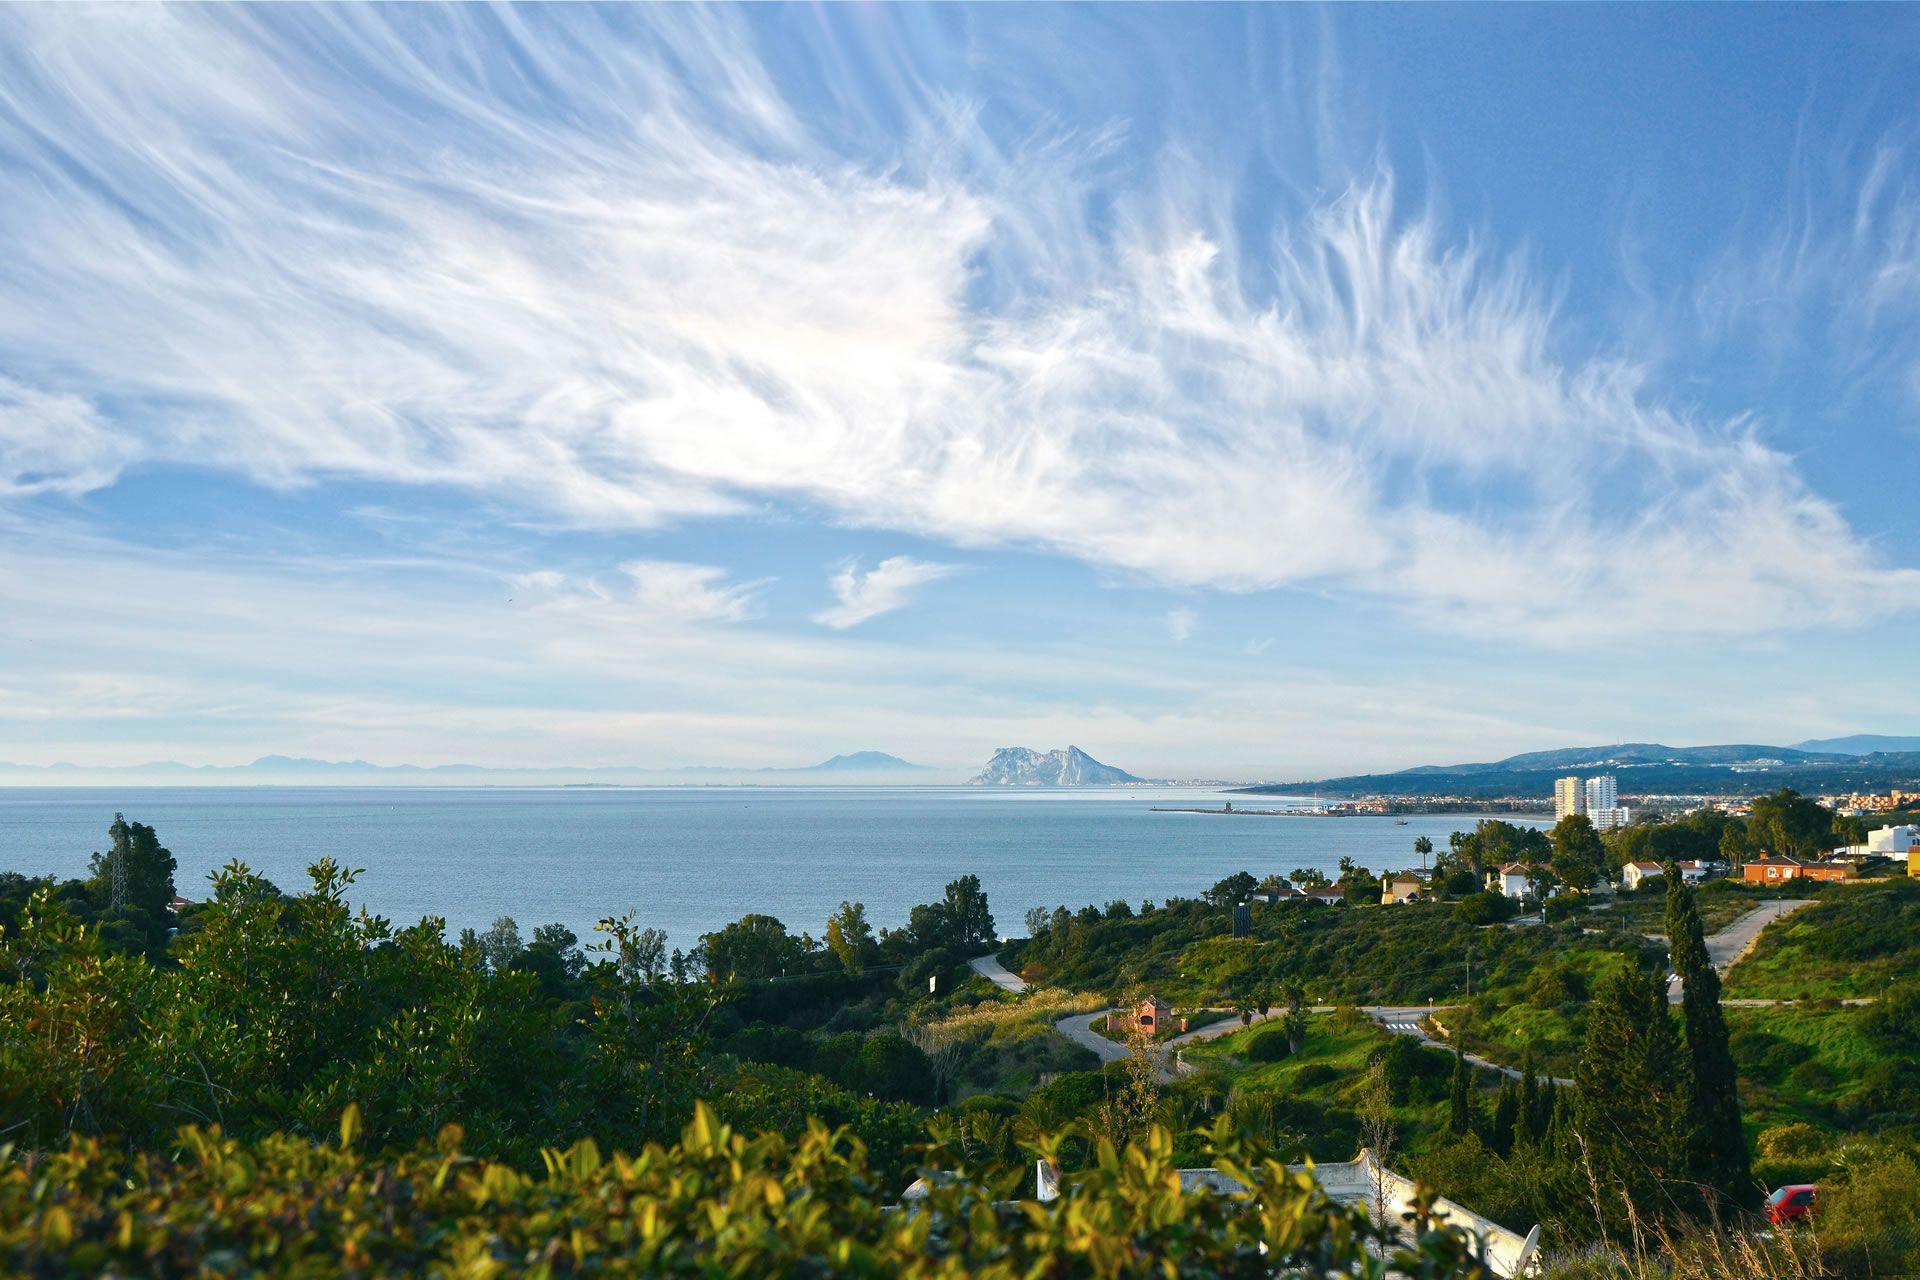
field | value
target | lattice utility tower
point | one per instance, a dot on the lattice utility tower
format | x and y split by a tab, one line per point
117	868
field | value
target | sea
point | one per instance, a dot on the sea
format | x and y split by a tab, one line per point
690	859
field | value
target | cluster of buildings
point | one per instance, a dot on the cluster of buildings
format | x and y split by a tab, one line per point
1857	805
1596	797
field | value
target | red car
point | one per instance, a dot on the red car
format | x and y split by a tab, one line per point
1791	1202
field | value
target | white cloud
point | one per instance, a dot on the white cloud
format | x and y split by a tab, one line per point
656	592
690	592
1180	623
1258	648
882	589
54	443
636	294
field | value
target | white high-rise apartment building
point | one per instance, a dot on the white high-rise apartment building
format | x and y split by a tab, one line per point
1568	799
1603	803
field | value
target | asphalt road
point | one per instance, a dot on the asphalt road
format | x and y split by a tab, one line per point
998	974
1733	942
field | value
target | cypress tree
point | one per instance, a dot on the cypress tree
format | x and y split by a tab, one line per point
1460	1115
1710	1129
1507	1130
1627	1095
1530	1124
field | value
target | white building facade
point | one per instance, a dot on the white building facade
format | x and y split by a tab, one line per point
1603	803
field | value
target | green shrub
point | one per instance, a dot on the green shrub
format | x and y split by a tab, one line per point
1269	1044
1315	1074
714	1203
1792	1141
1483	908
1869	1220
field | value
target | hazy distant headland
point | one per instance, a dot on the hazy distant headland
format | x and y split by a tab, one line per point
851	768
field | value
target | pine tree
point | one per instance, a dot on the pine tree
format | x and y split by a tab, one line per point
1627	1097
1710	1130
1460	1116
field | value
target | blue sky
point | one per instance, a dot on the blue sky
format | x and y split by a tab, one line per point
1229	391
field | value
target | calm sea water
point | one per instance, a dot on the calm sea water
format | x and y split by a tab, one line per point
689	860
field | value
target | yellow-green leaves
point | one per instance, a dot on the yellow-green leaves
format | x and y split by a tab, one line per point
716	1204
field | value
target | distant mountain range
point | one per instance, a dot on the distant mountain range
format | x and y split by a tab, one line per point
284	769
1863	762
1860	744
1025	767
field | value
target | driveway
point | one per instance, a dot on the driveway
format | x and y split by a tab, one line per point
1731	944
998	974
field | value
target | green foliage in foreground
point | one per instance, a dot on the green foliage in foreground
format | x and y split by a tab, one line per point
716	1203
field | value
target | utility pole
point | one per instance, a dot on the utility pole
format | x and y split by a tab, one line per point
118	901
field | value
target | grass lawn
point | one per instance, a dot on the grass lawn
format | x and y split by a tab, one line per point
1335	1046
1799	1063
1328	1076
1553	1033
1852	942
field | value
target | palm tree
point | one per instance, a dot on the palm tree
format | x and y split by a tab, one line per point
1423	847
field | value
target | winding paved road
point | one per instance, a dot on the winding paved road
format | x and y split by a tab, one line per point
998	974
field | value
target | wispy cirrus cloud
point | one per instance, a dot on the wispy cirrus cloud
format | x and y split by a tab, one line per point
864	595
605	269
1180	624
655	592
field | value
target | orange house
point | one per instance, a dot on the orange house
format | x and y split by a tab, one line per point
1785	867
1150	1017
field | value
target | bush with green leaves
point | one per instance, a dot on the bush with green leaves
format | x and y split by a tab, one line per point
1269	1044
717	1202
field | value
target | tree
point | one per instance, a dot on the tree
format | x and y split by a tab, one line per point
1036	921
752	947
1733	843
1296	1020
1234	888
134	879
849	936
1307	877
553	956
1714	1139
1423	847
639	955
1378	1127
1506	1117
1628	1095
500	943
1788	822
1530	1123
1540	880
967	906
1274	882
1579	856
1483	908
1460	1097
